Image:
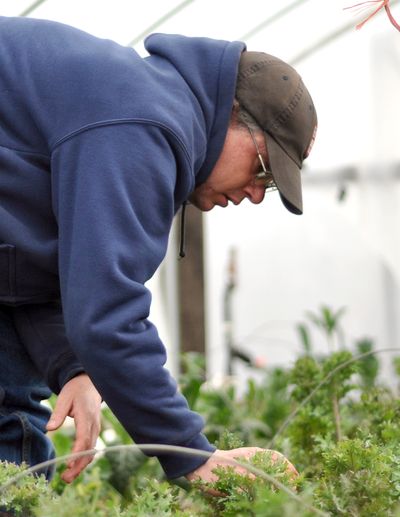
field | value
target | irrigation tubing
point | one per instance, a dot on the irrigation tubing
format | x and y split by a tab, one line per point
324	381
31	8
159	448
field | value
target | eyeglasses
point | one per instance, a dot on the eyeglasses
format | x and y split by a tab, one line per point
264	176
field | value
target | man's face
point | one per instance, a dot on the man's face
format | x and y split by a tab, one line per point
233	176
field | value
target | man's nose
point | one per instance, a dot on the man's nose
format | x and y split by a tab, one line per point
255	193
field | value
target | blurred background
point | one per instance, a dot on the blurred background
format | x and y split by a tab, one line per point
252	273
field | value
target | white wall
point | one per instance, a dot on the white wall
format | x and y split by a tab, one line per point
289	266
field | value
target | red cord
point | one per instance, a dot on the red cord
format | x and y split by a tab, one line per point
383	3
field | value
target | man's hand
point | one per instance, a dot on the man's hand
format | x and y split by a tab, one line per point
80	400
224	459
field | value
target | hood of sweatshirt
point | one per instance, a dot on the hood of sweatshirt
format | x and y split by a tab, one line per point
209	68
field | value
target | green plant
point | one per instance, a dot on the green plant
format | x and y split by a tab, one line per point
328	414
242	494
23	497
359	477
192	377
368	367
329	322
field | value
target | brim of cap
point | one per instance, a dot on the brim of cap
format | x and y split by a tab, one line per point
286	175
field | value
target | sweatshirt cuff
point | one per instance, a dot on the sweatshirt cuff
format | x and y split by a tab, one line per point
179	464
63	371
74	370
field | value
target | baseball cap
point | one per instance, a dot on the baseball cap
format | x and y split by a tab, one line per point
273	93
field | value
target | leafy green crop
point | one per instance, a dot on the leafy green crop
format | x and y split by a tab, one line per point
329	414
20	498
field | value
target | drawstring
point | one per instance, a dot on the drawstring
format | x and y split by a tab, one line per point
182	231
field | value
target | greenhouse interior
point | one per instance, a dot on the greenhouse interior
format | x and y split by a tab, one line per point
261	289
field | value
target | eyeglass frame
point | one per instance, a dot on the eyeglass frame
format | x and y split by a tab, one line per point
265	174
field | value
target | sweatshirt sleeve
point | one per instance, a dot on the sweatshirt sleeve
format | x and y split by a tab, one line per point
113	196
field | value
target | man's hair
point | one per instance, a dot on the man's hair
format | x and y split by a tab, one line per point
243	118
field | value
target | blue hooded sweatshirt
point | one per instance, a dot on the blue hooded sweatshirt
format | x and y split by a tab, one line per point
98	150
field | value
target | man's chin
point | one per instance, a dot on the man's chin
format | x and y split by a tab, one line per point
204	205
205	208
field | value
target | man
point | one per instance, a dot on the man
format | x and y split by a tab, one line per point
99	148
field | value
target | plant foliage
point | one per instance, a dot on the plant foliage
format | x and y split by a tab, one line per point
330	415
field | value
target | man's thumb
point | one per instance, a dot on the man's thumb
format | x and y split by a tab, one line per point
57	418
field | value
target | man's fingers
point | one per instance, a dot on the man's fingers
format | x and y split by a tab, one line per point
75	468
76	465
82	441
86	437
80	400
60	413
206	472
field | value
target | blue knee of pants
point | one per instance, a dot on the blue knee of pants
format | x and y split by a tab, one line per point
22	416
